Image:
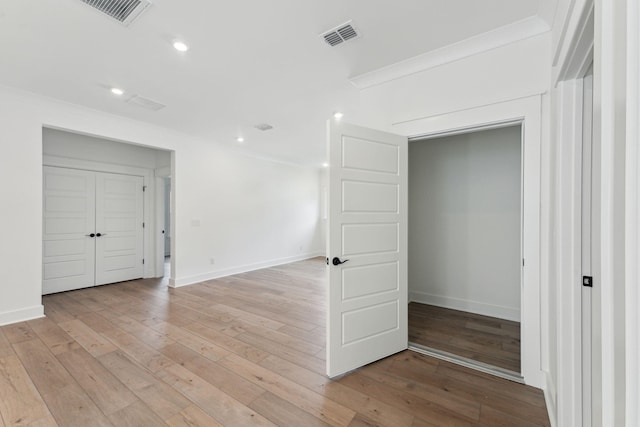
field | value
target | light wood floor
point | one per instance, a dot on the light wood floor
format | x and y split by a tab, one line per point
243	350
482	338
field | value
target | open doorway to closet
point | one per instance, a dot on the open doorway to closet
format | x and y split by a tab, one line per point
99	210
465	246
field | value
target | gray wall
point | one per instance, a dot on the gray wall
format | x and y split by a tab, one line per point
464	222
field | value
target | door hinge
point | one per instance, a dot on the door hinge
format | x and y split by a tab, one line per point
523	262
143	260
143	225
587	281
144	188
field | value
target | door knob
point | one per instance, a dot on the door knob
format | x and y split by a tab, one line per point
336	261
91	235
100	234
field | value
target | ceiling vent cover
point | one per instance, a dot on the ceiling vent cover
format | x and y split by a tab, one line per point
147	103
340	34
123	11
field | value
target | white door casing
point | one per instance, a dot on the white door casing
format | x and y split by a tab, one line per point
367	298
589	228
119	218
68	251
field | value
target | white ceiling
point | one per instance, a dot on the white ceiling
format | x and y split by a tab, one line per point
250	61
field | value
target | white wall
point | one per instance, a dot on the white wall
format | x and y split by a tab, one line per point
251	212
464	222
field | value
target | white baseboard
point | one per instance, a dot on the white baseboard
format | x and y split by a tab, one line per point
501	312
22	315
550	396
190	280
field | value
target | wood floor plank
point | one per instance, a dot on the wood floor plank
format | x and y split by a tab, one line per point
233	345
135	415
210	399
231	383
19	332
5	346
67	401
53	336
89	339
106	391
283	413
422	408
192	341
192	416
312	363
20	402
374	410
315	404
163	399
147	356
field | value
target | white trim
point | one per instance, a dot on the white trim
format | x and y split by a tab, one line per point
527	110
550	398
568	291
610	102
498	311
22	315
190	280
467	363
149	207
573	56
163	172
632	199
502	36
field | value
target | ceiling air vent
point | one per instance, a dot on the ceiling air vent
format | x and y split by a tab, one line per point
340	34
123	11
264	126
145	103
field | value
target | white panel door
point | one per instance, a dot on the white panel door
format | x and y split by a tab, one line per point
367	247
119	230
68	248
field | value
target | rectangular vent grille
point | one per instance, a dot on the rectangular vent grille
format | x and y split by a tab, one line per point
340	34
147	103
124	11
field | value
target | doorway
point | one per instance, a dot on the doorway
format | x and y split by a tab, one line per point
106	172
465	246
368	195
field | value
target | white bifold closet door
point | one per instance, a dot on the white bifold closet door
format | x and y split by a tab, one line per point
92	230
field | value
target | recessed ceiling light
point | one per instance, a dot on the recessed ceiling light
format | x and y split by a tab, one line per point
338	115
117	91
180	46
325	165
240	139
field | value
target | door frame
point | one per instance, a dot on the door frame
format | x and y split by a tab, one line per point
569	105
526	111
160	175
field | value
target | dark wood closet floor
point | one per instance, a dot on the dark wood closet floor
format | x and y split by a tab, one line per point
482	338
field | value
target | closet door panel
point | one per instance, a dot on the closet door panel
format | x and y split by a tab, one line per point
68	250
119	217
